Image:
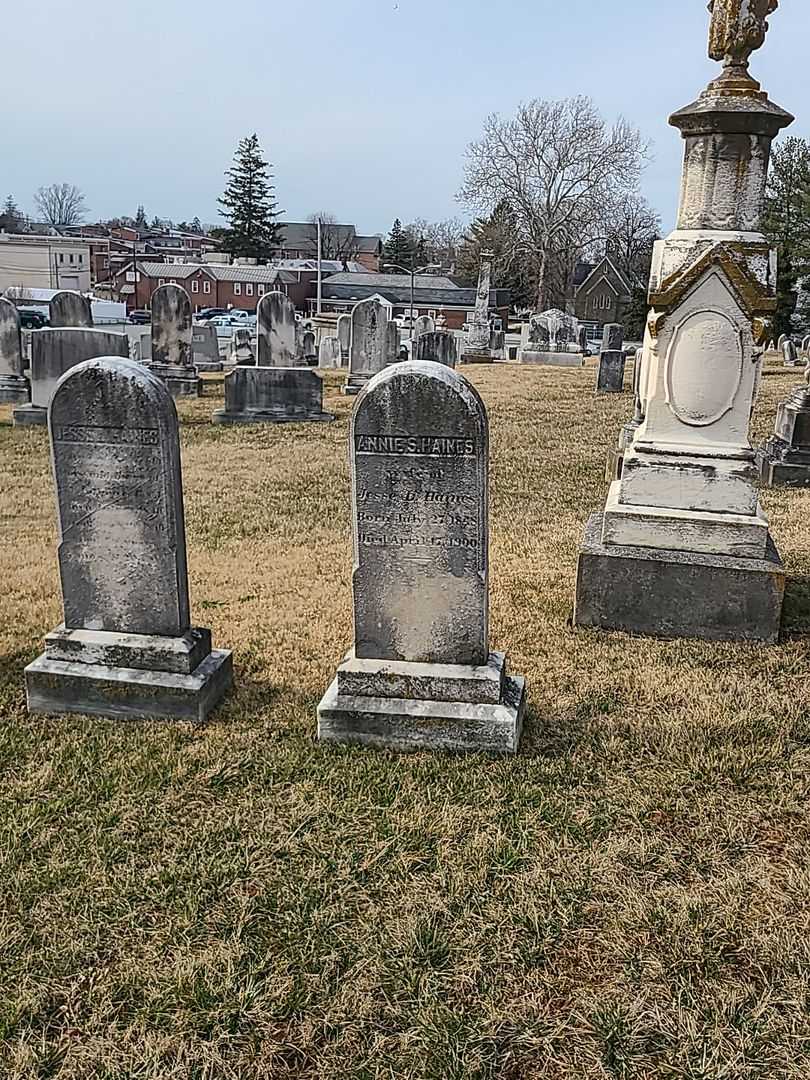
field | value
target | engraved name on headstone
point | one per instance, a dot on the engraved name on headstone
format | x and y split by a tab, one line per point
116	461
419	479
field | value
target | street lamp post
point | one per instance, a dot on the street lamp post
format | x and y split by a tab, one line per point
413	273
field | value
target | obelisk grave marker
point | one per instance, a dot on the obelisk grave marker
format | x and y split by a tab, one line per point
127	647
683	547
420	674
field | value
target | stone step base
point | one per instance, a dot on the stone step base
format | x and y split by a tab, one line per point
672	594
268	416
14	390
427	682
779	472
409	724
56	687
29	416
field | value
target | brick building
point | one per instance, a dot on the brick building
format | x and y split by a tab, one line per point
604	296
208	284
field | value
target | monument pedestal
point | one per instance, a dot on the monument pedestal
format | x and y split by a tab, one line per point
784	460
667	593
29	416
126	676
552	359
272	395
181	381
409	706
354	384
14	390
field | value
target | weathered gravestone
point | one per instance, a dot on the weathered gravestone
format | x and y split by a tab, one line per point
68	309
784	459
205	348
344	329
393	343
259	395
126	647
241	352
421	674
172	353
615	458
610	373
552	338
370	344
329	353
790	354
277	331
309	348
440	347
56	351
423	325
14	387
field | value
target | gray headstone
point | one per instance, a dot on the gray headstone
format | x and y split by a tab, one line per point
583	339
277	331
53	352
612	337
782	339
70	309
329	353
171	326
369	348
393	339
538	333
419	448
440	347
272	395
116	462
309	350
789	352
423	325
11	358
204	344
344	329
145	345
610	374
242	348
806	344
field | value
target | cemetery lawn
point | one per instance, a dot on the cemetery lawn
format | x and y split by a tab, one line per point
628	898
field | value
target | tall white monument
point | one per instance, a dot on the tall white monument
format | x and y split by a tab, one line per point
683	547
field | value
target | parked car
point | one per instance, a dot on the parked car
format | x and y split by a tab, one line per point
140	317
32	320
210	313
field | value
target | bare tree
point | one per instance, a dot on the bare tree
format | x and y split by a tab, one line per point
436	241
559	167
61	205
632	230
337	241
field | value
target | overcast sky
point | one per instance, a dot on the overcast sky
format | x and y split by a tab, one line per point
364	107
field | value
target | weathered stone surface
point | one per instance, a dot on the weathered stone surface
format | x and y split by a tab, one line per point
259	395
309	348
13	384
612	337
277	331
392	346
479	329
420	675
419	461
552	359
784	460
171	327
116	460
669	594
369	345
329	353
610	374
344	329
242	349
53	352
70	309
126	647
424	324
205	348
440	347
790	354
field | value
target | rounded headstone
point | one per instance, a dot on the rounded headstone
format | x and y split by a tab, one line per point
277	331
70	309
11	358
171	326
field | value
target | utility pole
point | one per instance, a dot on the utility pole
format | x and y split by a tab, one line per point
320	261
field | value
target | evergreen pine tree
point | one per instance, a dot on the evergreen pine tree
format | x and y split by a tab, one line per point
787	224
498	233
249	204
141	224
399	248
11	220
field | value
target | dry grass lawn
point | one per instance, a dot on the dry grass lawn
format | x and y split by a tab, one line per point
629	898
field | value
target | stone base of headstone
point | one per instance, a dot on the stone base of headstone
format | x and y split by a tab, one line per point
784	460
264	395
610	374
126	676
29	416
181	381
354	384
673	594
615	456
207	365
403	706
552	359
477	358
14	390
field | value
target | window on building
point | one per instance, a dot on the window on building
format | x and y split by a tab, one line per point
195	286
71	257
237	288
249	289
161	281
206	286
61	256
260	290
106	264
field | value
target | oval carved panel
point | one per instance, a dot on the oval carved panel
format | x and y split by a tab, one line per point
704	368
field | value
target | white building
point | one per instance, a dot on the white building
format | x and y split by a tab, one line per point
44	262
